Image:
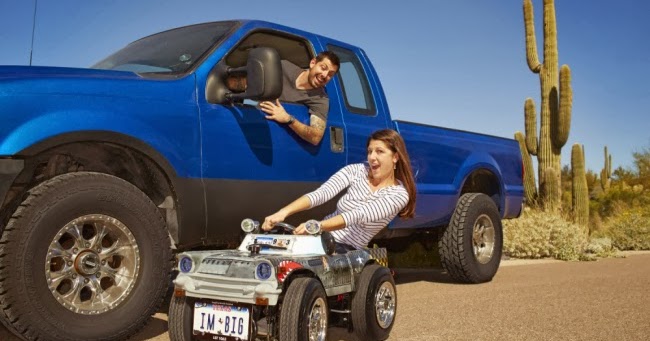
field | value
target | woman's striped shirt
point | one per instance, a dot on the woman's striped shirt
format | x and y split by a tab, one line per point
365	213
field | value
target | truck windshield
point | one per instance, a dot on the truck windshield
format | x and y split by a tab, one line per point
171	52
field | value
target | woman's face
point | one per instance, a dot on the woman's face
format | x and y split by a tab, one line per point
381	160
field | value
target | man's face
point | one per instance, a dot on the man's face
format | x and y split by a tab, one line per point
321	72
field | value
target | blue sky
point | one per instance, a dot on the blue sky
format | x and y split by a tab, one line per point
458	64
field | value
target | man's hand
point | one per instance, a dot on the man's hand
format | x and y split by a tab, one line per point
275	111
312	133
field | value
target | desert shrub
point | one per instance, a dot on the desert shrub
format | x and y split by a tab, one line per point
629	230
538	234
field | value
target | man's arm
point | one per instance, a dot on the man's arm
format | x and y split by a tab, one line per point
312	133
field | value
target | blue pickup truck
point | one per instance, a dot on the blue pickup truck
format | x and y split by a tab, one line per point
106	172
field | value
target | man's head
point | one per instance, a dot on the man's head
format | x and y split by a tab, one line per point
322	69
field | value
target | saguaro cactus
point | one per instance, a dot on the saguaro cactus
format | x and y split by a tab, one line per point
579	190
556	96
606	172
530	189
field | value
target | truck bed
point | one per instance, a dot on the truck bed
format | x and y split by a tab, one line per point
443	160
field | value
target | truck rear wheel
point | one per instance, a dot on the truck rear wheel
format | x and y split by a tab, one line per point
374	304
85	257
304	313
470	247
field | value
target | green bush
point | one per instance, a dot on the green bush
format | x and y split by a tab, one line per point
629	230
538	234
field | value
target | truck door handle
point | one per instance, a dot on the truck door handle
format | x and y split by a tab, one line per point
336	139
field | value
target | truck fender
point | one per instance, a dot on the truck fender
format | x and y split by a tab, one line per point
41	133
478	161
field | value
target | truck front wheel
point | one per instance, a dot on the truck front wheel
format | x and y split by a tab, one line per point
470	247
85	257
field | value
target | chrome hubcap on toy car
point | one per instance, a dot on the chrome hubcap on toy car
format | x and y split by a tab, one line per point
318	321
92	264
483	239
385	304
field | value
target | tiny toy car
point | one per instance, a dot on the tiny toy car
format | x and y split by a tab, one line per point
281	286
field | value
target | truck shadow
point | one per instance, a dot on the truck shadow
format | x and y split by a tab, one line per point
411	275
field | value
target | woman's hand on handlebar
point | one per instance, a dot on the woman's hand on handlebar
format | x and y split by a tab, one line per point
269	222
300	229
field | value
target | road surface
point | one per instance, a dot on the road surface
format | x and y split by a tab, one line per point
528	300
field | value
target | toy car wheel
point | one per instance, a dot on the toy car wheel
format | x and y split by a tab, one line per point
88	258
180	319
374	304
304	311
470	247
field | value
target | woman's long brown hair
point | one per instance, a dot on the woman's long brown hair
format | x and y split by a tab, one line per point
403	170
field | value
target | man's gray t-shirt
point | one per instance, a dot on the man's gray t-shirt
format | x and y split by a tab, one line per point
315	99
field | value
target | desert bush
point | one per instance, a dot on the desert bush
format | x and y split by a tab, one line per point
538	234
629	230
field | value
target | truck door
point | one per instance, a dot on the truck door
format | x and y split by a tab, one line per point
363	110
253	166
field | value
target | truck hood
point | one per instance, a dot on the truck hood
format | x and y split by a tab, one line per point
47	72
38	80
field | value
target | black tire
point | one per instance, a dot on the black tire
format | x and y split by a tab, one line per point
466	259
374	304
304	300
99	240
180	319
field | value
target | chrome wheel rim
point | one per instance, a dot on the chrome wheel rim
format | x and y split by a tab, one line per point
483	237
385	304
92	264
318	320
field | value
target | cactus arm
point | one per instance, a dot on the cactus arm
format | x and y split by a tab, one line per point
530	117
532	56
563	126
550	37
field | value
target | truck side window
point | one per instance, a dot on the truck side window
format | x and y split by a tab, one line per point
353	82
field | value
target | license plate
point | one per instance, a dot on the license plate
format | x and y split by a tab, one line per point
221	321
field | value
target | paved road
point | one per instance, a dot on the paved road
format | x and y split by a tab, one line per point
604	300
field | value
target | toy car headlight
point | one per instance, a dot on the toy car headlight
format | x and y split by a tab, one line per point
249	225
263	271
312	226
185	264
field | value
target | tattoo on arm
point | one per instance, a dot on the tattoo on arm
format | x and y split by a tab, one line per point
312	133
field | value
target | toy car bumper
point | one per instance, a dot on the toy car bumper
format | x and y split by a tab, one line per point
221	288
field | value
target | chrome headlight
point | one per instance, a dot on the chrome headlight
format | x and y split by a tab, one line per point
185	264
249	225
312	226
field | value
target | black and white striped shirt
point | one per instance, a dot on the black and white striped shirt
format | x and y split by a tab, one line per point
365	213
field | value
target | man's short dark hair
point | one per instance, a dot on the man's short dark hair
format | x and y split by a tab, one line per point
331	56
